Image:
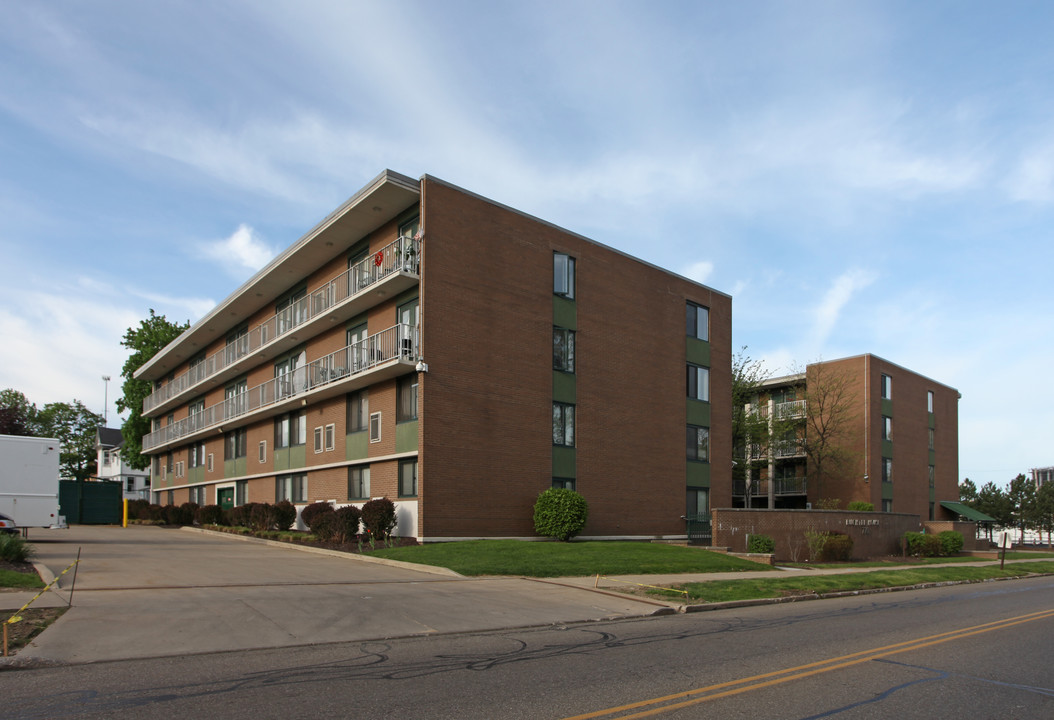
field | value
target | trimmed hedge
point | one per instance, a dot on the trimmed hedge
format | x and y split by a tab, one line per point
378	516
560	513
284	514
761	544
861	506
951	542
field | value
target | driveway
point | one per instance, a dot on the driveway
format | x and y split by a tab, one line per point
146	592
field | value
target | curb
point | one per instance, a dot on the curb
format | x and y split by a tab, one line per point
431	569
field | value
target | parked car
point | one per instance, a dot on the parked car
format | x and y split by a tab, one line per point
8	525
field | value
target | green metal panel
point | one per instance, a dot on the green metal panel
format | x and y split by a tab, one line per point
565	314
887	448
933	457
70	500
698	412
90	503
297	456
236	467
225	498
281	459
932	422
887	407
564	387
196	475
698	351
887	491
405	436
356	445
564	462
698	475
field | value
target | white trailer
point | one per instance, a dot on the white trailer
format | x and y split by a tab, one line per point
29	481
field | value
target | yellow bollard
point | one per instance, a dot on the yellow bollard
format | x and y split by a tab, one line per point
124	517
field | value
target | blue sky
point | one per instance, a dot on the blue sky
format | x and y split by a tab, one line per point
861	177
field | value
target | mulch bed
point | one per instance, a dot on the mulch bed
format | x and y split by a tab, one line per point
33	621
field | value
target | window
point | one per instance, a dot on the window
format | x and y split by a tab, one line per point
931	438
234	399
241	492
169	467
318	439
698	502
211	464
179	469
289	430
563	349
887	506
358	344
375	427
564	275
563	424
358	411
197	454
887	427
698	443
262	451
698	321
698	382
406	398
195	419
929	401
359	482
237	345
234	445
407	478
887	387
932	508
197	495
129	484
291	487
291	310
931	476
887	470
563	483
409	317
330	432
171	497
287	381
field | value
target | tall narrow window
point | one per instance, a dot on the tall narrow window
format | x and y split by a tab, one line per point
931	475
406	400
407	478
698	321
235	398
887	470
887	427
563	424
564	275
375	427
698	382
358	411
330	433
237	345
234	444
929	401
698	443
887	387
931	438
563	349
357	344
409	316
318	439
262	451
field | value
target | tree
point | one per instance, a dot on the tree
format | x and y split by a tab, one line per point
1022	498
992	501
967	492
829	414
75	427
144	341
1045	510
748	428
18	416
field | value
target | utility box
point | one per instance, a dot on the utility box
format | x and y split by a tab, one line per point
29	481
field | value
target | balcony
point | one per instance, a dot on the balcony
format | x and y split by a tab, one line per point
790	448
389	271
385	355
789	410
760	488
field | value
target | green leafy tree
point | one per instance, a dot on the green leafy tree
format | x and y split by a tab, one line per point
992	501
1022	497
75	427
967	492
18	416
1045	510
145	341
749	429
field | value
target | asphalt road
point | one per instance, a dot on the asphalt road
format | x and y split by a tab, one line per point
977	651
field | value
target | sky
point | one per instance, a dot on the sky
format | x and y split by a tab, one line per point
861	177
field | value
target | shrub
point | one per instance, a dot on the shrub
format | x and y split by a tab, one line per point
827	504
324	526
346	522
560	513
310	512
139	510
829	546
262	516
14	549
187	511
172	515
761	544
921	545
951	542
155	513
861	506
378	516
210	515
284	514
237	516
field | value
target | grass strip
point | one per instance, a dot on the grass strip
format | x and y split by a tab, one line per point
573	559
751	589
14	579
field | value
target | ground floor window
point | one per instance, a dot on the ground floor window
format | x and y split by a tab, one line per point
887	506
408	478
698	502
197	495
564	483
291	487
359	482
241	492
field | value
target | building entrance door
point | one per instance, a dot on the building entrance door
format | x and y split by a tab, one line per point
225	497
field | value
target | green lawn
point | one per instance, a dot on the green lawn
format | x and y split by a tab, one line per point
895	562
747	589
12	579
1027	555
556	559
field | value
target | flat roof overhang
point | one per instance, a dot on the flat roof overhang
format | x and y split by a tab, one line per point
379	202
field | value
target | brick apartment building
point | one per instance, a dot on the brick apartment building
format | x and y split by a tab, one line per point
898	448
401	349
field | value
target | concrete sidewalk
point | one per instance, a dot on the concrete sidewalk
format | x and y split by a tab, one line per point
148	592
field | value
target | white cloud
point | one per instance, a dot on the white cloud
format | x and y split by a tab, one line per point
243	249
700	271
835	300
1032	179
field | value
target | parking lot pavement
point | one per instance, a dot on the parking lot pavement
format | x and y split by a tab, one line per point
146	592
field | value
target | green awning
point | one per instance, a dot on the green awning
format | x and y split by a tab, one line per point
967	512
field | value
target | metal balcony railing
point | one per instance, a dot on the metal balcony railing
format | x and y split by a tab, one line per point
397	342
402	255
789	448
760	488
789	410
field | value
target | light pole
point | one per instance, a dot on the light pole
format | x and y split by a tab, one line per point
105	398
